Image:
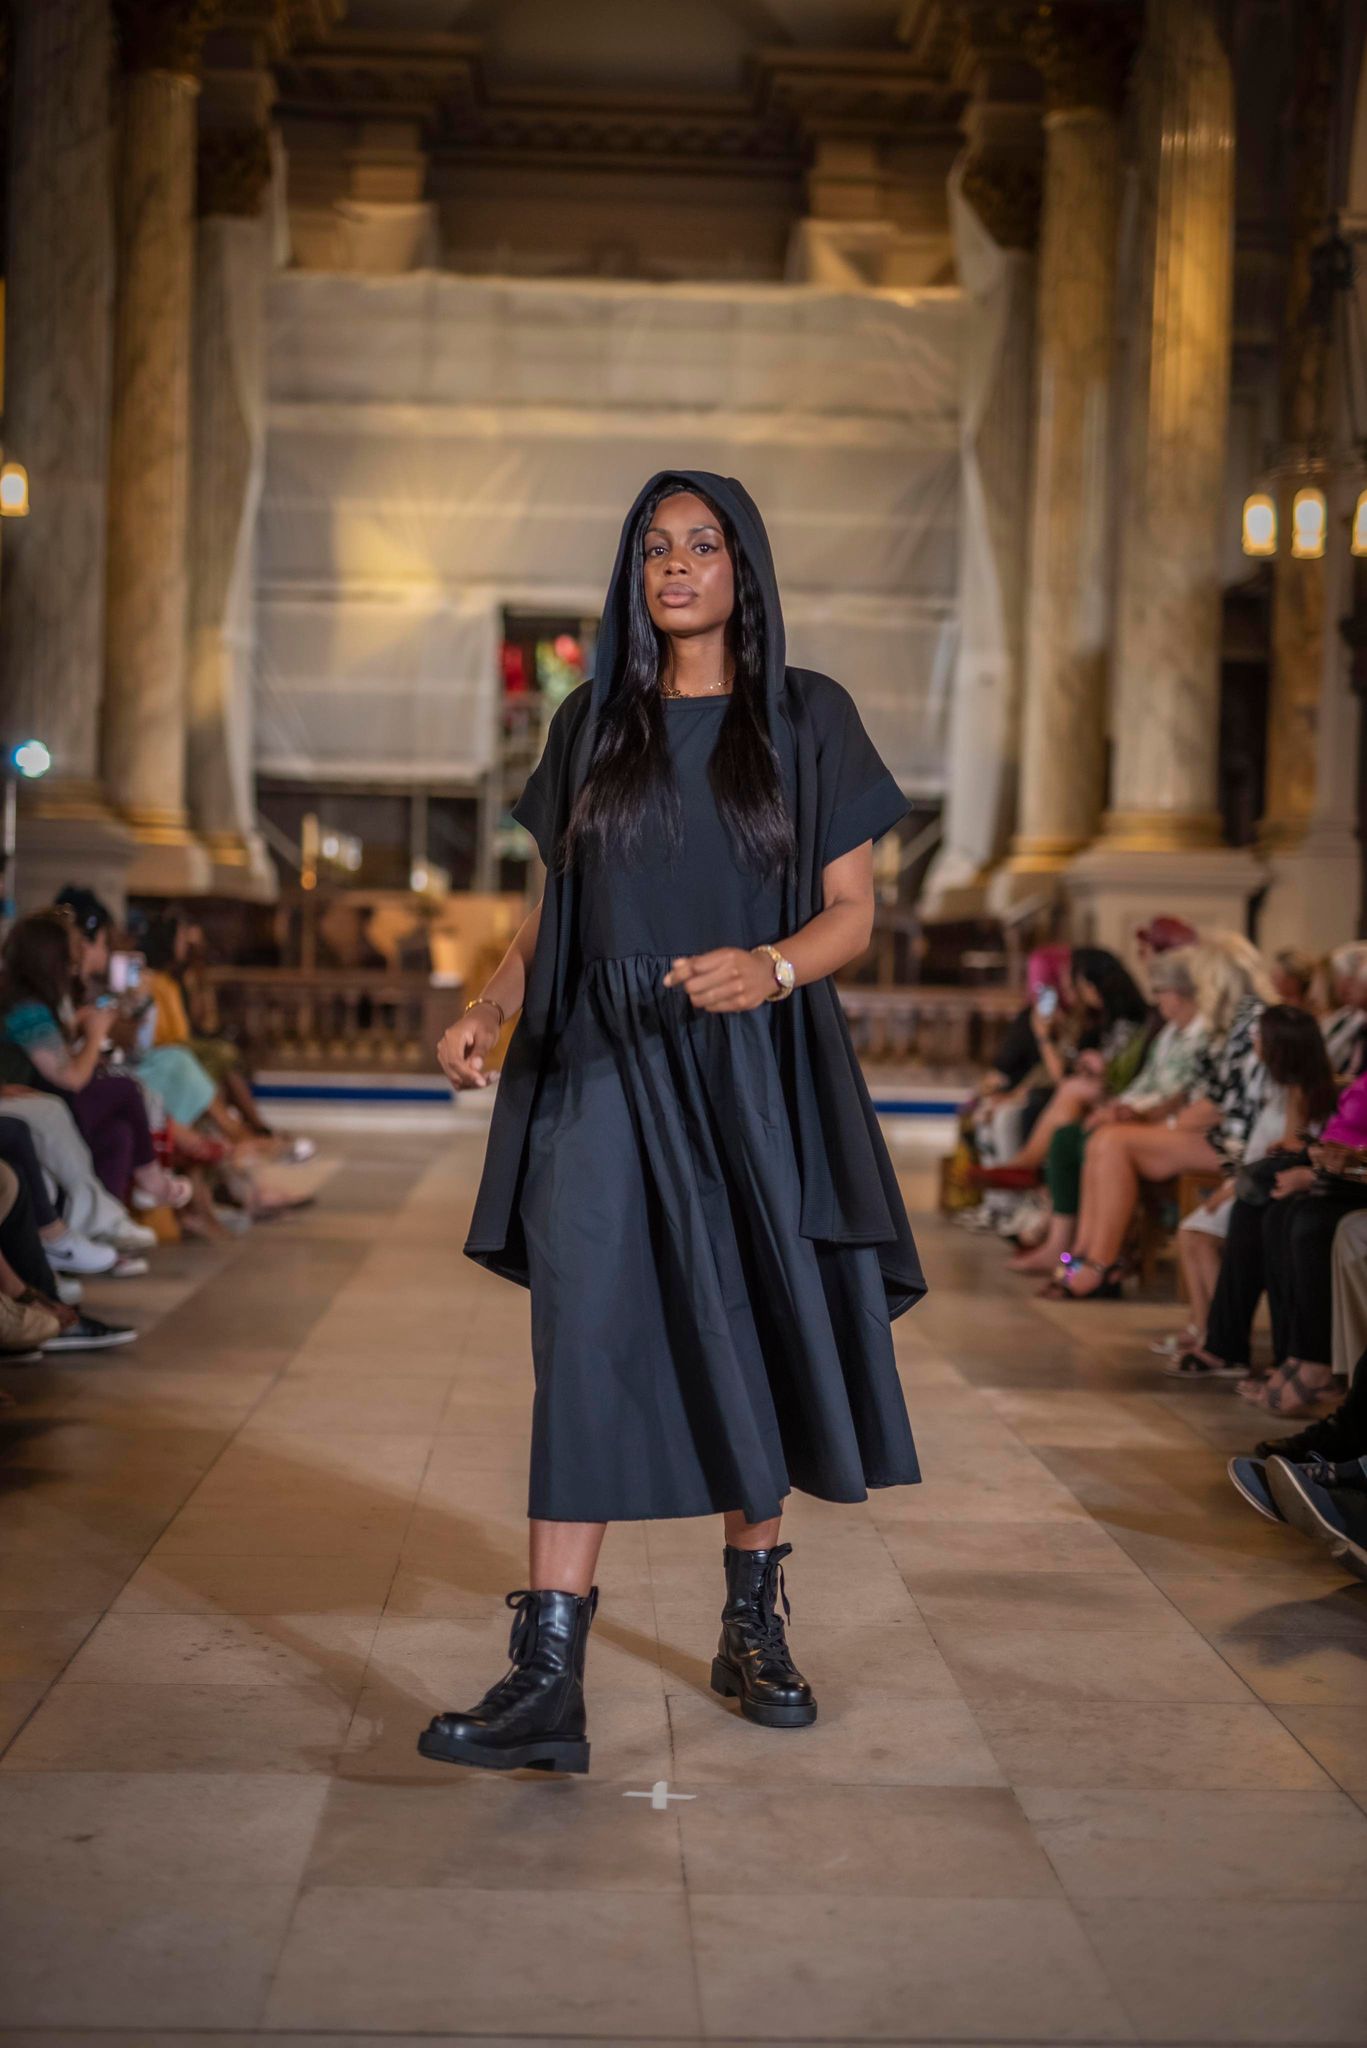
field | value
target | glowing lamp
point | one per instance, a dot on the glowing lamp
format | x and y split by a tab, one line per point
13	491
1260	524
32	759
1359	540
1309	522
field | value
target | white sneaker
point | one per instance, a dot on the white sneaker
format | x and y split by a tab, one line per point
134	1237
128	1266
68	1290
72	1253
171	1191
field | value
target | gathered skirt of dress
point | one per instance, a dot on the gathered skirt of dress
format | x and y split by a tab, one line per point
693	1352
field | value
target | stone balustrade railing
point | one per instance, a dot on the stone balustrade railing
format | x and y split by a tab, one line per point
341	1019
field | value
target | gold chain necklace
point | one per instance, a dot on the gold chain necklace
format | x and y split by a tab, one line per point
721	689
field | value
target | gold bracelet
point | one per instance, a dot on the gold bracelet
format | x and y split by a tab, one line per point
493	1005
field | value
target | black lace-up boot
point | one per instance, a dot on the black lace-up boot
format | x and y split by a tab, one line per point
753	1662
535	1715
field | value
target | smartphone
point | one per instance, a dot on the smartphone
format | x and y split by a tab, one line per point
125	972
1046	1002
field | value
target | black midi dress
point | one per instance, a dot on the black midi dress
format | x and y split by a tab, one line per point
693	1352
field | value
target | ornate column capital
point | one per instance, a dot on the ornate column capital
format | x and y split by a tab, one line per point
1004	191
1083	51
1001	174
234	169
164	35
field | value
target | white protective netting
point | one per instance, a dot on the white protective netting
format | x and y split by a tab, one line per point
440	447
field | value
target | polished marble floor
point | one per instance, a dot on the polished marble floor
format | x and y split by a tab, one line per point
1092	1757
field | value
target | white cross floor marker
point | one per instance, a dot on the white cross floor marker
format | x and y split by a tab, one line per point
660	1795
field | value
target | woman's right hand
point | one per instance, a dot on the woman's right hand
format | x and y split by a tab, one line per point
91	1022
464	1046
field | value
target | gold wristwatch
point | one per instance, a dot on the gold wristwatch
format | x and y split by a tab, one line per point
784	973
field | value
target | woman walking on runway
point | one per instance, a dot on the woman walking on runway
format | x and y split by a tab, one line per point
684	1165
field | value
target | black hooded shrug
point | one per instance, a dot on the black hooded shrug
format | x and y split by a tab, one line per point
839	792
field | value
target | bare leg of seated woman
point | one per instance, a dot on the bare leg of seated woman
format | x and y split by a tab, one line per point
1198	1256
1068	1104
1119	1158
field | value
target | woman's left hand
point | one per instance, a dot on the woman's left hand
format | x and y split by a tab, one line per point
728	978
1293	1180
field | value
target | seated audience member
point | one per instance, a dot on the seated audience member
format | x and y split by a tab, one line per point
1108	1049
63	1048
1297	1097
1293	977
66	1250
1298	1250
1316	1481
1163	1084
1162	935
28	1286
1208	1135
25	1325
163	1057
1350	1292
1028	1064
218	1054
88	1209
168	1060
1345	1022
999	1114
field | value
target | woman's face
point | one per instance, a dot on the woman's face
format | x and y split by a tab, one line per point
93	956
690	585
1175	1008
1088	993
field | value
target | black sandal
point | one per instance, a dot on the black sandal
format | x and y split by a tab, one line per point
1110	1288
1191	1366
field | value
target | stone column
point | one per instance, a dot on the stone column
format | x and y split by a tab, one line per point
994	193
1161	844
59	278
227	451
144	711
1307	829
1083	53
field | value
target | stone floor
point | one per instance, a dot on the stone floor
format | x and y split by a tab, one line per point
1092	1757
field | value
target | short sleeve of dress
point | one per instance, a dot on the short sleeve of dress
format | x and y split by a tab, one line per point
865	800
535	808
34	1028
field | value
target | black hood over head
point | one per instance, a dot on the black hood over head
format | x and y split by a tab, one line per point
729	497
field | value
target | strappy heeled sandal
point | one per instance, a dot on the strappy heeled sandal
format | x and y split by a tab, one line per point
1296	1397
1258	1388
1110	1287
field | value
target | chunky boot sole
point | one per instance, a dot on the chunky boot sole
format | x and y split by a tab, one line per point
730	1685
572	1757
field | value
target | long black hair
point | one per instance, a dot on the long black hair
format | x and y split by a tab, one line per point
631	769
1113	982
1293	1051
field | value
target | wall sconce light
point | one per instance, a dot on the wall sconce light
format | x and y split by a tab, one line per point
13	491
1260	524
1359	538
1309	521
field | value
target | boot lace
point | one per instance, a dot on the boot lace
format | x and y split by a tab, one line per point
767	1625
522	1635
